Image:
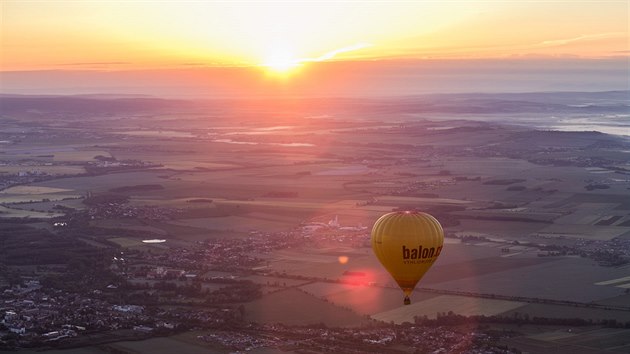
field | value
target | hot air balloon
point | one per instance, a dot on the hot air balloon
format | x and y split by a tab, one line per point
407	243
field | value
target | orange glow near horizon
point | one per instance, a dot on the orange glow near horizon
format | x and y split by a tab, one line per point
101	35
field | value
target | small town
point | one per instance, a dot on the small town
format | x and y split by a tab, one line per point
34	317
161	293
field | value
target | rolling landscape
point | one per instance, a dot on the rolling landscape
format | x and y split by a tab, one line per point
177	215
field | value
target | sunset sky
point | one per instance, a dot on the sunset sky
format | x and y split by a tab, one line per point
121	43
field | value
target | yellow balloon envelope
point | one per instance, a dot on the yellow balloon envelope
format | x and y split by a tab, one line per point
407	243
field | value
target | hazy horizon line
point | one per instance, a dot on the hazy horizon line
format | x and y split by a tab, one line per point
114	95
332	79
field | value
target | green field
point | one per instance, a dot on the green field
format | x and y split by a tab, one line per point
366	300
21	213
128	224
556	311
79	155
162	346
233	223
52	170
467	306
33	190
561	278
574	340
294	307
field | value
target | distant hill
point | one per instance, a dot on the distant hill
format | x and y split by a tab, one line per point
607	102
82	104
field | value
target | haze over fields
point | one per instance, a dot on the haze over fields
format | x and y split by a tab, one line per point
202	177
207	200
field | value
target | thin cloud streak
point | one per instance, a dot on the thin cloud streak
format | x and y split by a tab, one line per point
588	37
97	63
334	53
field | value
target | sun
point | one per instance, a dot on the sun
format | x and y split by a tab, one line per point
281	62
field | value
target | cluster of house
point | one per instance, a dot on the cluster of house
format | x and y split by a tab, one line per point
357	340
33	315
42	314
21	177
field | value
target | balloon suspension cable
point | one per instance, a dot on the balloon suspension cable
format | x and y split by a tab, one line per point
407	300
